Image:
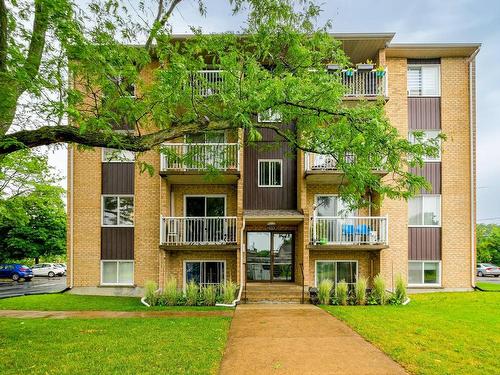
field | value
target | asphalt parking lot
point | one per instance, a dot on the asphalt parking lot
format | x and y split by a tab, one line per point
37	285
489	279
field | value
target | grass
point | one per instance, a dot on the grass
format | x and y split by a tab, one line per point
437	333
118	346
489	286
70	302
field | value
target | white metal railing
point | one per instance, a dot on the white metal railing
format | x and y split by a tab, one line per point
364	83
199	156
197	230
358	230
321	162
207	82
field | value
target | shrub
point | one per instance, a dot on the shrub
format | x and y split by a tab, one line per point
150	292
360	291
209	294
192	293
171	294
230	290
341	293
325	287
400	294
378	292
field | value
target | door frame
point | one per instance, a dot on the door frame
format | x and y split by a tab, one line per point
271	256
205	196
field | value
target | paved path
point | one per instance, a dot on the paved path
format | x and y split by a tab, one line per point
298	339
26	314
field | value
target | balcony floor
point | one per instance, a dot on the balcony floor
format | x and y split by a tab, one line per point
344	246
181	177
205	247
330	176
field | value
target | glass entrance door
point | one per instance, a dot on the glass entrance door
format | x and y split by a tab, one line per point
269	256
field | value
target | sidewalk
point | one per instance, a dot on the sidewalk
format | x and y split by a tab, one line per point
27	314
298	339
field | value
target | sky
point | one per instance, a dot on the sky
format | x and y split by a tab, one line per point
419	21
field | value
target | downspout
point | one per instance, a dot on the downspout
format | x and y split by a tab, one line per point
242	275
71	215
472	105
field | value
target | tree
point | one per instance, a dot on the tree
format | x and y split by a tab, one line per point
276	63
488	243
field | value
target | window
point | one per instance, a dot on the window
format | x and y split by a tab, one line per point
270	173
118	211
424	273
269	116
346	270
427	136
424	80
205	272
424	210
111	155
117	272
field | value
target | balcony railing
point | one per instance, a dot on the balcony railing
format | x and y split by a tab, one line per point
369	230
364	83
197	230
321	162
200	156
356	82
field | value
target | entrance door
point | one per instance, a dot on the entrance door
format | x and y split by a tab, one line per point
269	256
205	219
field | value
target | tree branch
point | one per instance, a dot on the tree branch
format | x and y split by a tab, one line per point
37	42
160	21
4	35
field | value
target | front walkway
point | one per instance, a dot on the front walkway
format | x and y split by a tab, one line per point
298	339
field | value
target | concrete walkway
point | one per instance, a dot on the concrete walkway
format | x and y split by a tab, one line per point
26	314
298	339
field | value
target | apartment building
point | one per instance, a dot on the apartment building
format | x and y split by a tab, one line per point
271	219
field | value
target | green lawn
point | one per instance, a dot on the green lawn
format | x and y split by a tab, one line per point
78	302
489	286
437	333
112	346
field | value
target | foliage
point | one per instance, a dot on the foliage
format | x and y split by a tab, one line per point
488	243
209	295
341	293
379	290
324	290
151	294
490	287
360	290
171	294
277	66
230	290
192	293
437	333
400	295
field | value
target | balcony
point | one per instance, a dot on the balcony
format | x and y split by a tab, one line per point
358	83
186	232
356	233
322	169
188	163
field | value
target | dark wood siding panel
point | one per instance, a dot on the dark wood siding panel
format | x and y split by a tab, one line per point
284	198
118	178
117	243
424	61
424	113
432	173
424	243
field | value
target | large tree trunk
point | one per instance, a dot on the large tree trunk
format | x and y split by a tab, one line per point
8	103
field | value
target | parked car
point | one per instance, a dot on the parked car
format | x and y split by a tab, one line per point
16	272
62	265
48	269
487	269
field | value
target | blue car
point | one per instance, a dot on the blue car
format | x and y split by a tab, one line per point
15	272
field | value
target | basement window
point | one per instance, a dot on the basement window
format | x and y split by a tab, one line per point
204	272
117	272
424	273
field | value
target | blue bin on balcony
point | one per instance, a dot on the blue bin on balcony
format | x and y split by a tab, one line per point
348	232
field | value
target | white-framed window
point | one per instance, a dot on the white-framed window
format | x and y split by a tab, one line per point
269	116
112	155
428	135
270	172
424	273
336	270
205	272
424	80
117	210
424	211
117	272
